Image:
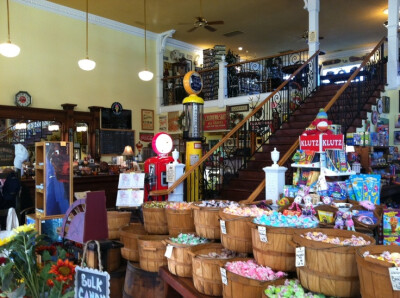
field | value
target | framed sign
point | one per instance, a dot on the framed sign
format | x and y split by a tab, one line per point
147	119
163	123
146	137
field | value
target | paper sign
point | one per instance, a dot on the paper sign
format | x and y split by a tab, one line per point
131	180
223	227
300	256
170	173
129	197
263	234
168	251
394	273
223	276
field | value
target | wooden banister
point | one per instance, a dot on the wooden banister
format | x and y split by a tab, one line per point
230	133
290	152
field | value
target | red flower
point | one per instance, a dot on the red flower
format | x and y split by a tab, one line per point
51	249
3	260
64	270
50	283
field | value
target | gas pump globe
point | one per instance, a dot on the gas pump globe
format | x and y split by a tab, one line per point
193	129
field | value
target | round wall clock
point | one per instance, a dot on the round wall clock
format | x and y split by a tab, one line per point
23	99
374	117
162	143
379	106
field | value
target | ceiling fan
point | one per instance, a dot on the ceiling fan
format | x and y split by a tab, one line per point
202	22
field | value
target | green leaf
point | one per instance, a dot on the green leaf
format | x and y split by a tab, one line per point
19	292
46	256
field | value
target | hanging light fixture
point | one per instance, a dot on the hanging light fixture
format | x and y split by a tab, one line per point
145	75
87	64
7	48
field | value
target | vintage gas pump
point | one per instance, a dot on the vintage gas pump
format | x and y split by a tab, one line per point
155	167
193	130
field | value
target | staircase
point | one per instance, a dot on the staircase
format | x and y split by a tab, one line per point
240	187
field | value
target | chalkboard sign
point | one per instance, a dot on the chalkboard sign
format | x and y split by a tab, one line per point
112	121
91	283
7	152
113	141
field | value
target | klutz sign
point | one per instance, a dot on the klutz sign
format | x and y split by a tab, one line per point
321	142
91	283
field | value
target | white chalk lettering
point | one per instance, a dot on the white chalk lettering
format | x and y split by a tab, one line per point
91	282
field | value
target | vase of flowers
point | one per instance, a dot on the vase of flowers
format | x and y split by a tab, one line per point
30	268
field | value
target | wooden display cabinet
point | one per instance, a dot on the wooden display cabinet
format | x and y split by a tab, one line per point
53	178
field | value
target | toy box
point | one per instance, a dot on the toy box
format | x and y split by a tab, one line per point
391	220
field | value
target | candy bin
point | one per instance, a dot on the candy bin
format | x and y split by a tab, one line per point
271	237
248	279
179	218
177	253
373	264
155	218
235	231
206	220
330	264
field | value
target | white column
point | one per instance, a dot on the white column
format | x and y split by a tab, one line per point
223	82
393	45
313	25
160	47
274	182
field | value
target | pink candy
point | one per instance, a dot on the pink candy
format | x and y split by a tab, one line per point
252	270
252	211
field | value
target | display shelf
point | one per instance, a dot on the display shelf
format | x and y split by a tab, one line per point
54	175
331	173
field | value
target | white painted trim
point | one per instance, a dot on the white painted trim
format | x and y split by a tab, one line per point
345	54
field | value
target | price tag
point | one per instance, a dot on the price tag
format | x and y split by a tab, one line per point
168	251
394	273
263	234
300	256
223	227
223	276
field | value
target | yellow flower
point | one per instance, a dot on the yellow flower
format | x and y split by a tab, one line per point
6	240
24	228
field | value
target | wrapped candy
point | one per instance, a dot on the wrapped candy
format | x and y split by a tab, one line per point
277	219
252	211
291	288
217	204
224	254
189	239
251	269
319	236
155	204
179	206
393	257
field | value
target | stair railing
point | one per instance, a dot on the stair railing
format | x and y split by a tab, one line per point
346	105
233	152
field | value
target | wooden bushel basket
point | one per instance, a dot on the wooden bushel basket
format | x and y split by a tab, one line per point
277	253
378	213
142	284
330	269
129	236
155	221
180	262
374	274
240	286
116	220
151	252
206	270
238	233
206	221
180	221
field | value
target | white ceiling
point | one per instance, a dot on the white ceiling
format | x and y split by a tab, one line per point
268	26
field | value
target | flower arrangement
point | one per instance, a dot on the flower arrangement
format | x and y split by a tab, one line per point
22	274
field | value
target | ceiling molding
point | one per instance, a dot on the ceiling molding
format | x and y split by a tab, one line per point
107	23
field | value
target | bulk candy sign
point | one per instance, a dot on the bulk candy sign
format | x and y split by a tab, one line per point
321	142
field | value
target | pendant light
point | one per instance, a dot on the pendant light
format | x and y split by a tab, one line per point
145	75
9	49
87	64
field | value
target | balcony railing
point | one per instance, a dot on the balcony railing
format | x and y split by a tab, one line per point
250	77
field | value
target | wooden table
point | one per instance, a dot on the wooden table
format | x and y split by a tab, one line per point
175	286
